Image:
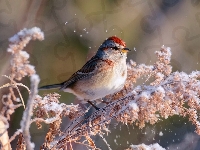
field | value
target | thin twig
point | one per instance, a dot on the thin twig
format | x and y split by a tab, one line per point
15	84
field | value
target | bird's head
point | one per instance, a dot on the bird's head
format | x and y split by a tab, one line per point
113	47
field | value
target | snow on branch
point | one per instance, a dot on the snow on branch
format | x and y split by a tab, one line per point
25	123
168	94
19	68
142	146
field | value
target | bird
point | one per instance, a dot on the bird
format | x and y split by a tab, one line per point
104	74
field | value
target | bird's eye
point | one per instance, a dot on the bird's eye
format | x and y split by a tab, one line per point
115	48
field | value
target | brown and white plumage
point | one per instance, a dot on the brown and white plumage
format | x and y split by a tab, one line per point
104	74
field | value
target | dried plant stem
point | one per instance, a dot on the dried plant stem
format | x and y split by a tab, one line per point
15	84
19	68
4	139
108	146
26	120
15	134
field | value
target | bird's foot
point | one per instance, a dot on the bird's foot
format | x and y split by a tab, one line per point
97	108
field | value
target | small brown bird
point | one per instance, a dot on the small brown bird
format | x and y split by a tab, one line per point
104	74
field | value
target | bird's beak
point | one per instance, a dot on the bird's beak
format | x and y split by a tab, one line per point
125	50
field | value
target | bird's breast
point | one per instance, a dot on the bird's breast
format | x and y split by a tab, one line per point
101	83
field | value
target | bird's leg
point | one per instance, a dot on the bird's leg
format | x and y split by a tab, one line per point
97	108
87	109
105	102
84	108
101	101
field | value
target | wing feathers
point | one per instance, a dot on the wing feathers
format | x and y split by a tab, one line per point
86	70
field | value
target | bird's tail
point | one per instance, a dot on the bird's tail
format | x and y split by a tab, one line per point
52	86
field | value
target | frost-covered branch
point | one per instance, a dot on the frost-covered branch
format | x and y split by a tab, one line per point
19	68
155	146
168	94
26	119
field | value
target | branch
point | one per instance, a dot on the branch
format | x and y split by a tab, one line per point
26	120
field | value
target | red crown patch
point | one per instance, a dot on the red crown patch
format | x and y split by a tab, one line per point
117	40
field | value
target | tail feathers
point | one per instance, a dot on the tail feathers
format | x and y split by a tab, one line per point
53	86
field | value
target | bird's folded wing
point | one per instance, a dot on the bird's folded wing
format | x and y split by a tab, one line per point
85	71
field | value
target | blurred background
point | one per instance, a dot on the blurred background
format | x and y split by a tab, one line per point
73	32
